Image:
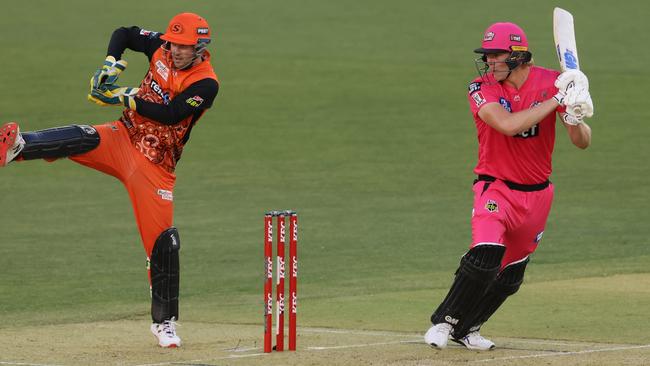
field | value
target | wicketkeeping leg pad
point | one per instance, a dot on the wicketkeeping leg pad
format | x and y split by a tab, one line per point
477	270
59	142
165	275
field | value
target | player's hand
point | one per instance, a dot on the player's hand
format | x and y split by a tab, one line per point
570	119
112	95
578	103
569	80
108	74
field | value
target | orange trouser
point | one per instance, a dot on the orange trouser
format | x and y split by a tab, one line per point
150	187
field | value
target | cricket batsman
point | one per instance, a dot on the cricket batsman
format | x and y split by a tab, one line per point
143	146
514	104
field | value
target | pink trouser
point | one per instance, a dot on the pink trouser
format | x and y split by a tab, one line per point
508	217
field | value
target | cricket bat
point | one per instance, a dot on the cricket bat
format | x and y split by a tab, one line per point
565	42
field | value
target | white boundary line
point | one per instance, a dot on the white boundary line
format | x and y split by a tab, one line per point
567	353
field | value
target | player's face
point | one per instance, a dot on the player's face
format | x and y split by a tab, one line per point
497	65
182	55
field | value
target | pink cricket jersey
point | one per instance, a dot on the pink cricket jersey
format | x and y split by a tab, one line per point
526	157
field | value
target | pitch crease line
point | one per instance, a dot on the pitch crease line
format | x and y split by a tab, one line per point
569	353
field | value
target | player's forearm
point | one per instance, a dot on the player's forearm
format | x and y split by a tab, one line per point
580	135
513	123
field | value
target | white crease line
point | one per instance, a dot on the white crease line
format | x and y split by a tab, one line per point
554	354
23	364
317	348
357	332
555	342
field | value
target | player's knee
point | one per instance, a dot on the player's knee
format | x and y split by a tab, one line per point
482	261
511	277
59	142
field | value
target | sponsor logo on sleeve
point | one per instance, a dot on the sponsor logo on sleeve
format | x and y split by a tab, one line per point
478	99
194	101
474	87
147	33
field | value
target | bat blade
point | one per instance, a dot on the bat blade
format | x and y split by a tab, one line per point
565	39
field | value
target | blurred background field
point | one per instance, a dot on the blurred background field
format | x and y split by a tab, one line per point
355	115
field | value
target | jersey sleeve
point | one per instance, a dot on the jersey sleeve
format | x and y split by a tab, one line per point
135	39
479	95
198	97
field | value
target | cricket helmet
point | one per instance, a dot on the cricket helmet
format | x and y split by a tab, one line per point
506	37
187	29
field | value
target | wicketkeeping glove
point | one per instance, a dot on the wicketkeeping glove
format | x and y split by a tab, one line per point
113	96
108	73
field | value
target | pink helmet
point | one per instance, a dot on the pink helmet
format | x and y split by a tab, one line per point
503	37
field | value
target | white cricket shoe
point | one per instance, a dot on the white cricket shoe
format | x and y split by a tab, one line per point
165	332
475	341
11	143
438	335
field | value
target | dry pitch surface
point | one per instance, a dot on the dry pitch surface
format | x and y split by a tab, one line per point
128	342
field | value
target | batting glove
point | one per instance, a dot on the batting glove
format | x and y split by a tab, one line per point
568	80
578	102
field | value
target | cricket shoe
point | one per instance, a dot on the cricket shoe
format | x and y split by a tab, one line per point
438	335
475	341
165	332
11	143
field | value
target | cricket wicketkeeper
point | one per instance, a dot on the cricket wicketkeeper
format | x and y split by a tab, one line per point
143	146
514	105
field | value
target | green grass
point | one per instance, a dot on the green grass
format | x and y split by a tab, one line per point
352	113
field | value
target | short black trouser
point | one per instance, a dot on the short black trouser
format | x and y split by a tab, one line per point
515	186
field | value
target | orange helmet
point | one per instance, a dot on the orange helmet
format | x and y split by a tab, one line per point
187	29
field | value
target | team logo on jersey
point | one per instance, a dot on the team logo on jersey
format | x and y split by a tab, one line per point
492	206
488	36
194	101
478	99
474	87
506	104
162	70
